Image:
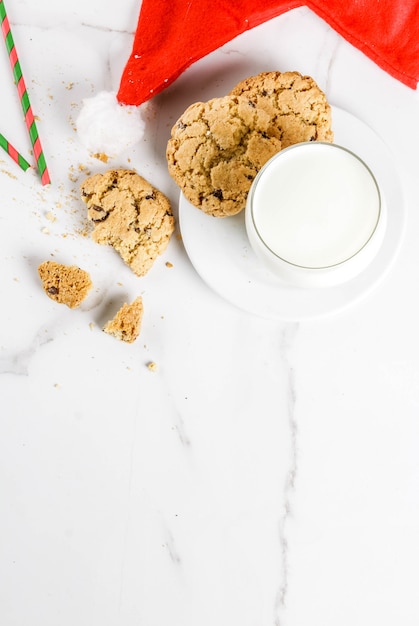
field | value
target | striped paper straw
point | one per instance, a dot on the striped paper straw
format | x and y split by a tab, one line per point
24	97
13	153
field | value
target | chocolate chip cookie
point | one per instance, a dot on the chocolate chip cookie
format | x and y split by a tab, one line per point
217	148
130	215
299	106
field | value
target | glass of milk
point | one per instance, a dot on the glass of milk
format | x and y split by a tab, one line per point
315	215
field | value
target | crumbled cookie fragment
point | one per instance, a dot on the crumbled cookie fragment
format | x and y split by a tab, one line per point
217	148
66	284
126	324
152	366
101	156
130	215
297	104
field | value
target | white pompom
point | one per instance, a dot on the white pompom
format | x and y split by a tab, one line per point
106	126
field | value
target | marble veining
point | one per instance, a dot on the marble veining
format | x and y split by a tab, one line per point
326	60
288	337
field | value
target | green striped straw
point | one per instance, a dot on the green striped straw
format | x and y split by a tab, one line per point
13	153
24	97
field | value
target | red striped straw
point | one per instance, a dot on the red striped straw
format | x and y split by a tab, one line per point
13	153
24	97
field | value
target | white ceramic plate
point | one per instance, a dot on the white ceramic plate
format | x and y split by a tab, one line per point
221	254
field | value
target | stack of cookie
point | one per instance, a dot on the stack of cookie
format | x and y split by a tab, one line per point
217	147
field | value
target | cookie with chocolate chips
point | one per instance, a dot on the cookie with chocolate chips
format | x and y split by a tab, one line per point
216	149
299	106
130	215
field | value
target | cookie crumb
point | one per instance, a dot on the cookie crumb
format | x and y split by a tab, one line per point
168	264
152	366
101	156
85	169
72	175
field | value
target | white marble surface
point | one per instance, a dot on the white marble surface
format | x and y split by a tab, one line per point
268	472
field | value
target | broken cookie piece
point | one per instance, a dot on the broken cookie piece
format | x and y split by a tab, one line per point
130	215
126	324
66	284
